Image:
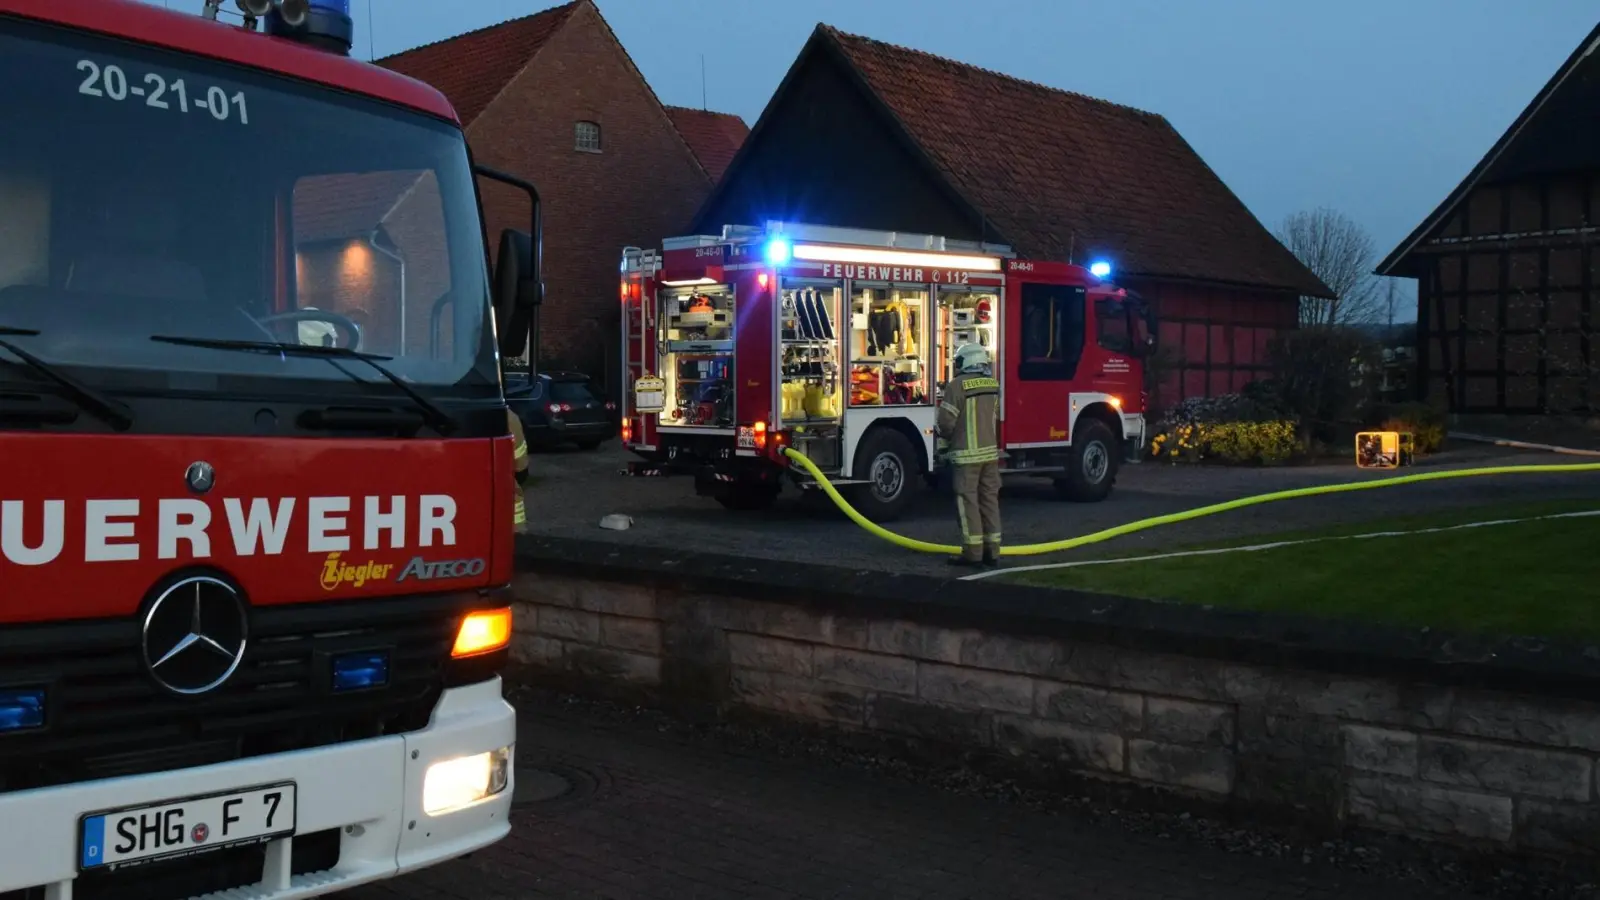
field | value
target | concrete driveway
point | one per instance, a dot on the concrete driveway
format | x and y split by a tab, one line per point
573	490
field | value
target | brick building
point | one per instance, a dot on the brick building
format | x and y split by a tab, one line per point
1508	276
863	133
554	98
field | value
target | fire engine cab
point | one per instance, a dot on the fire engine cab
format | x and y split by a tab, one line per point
256	480
838	341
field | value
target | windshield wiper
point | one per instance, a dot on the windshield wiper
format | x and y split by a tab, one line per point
114	413
440	420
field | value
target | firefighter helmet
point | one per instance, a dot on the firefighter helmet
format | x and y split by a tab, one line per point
972	358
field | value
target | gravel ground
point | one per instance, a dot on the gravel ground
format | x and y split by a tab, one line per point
573	490
1417	869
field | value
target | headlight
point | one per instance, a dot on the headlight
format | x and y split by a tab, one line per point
458	783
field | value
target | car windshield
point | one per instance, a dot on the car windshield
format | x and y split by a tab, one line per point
145	193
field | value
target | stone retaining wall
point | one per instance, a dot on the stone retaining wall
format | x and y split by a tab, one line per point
1420	756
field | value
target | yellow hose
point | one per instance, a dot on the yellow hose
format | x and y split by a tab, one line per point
1171	518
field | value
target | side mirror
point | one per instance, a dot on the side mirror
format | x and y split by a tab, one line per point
517	292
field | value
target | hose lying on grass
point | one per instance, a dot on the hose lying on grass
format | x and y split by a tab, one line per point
1107	534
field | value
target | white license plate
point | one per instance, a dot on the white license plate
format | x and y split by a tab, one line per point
746	439
183	827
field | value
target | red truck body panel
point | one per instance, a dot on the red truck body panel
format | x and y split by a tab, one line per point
94	523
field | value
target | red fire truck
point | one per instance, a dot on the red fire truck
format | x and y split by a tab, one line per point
255	475
837	341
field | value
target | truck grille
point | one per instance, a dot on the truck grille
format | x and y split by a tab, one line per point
107	717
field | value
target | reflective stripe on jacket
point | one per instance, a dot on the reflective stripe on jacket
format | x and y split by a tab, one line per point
519	442
519	456
969	418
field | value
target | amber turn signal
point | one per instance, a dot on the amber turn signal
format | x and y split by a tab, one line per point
484	631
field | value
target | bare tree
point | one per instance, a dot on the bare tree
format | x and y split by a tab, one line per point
1391	300
1340	252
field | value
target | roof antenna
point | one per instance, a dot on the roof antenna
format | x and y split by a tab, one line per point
703	106
1072	245
372	37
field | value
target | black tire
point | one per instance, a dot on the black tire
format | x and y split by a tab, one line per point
748	498
892	466
1091	465
588	445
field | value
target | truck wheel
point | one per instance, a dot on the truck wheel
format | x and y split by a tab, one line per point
748	498
888	462
1091	465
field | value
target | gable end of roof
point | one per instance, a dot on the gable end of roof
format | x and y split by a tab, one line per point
1070	174
1441	214
472	69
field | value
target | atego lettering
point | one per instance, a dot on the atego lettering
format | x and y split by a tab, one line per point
422	570
34	533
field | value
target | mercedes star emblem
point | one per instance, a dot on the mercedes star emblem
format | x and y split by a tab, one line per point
200	477
194	635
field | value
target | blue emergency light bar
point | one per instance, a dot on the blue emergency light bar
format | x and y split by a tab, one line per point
1100	269
326	25
360	671
778	251
21	709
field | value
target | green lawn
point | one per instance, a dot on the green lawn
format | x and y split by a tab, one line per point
1529	578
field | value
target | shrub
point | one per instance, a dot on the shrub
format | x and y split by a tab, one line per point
1425	422
1232	442
1323	377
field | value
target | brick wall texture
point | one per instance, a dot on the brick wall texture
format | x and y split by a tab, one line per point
642	186
1486	769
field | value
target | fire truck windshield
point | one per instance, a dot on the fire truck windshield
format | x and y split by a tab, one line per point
145	193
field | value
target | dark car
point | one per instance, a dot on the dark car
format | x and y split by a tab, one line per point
560	407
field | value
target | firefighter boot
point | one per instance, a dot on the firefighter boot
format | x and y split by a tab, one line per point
991	556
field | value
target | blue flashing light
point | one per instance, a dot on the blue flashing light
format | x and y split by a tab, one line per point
21	709
1100	269
778	251
360	671
326	26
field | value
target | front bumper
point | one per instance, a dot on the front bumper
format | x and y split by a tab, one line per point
368	792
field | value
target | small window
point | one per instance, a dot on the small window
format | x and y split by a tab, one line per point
1111	323
587	136
1052	332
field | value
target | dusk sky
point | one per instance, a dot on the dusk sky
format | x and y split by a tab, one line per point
1374	107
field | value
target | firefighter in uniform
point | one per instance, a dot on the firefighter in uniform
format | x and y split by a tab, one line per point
519	454
969	422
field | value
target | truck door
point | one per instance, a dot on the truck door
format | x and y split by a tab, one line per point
1045	327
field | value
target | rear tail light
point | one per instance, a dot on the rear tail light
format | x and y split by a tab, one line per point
627	430
611	406
556	409
761	435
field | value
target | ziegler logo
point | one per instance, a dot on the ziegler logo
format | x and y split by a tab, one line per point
422	570
336	572
1056	433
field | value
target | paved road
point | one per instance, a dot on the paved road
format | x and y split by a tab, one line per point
576	489
655	815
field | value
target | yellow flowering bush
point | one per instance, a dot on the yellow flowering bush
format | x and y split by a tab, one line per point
1204	431
1425	423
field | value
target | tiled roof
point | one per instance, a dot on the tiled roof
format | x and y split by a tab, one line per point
714	137
1059	173
472	69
